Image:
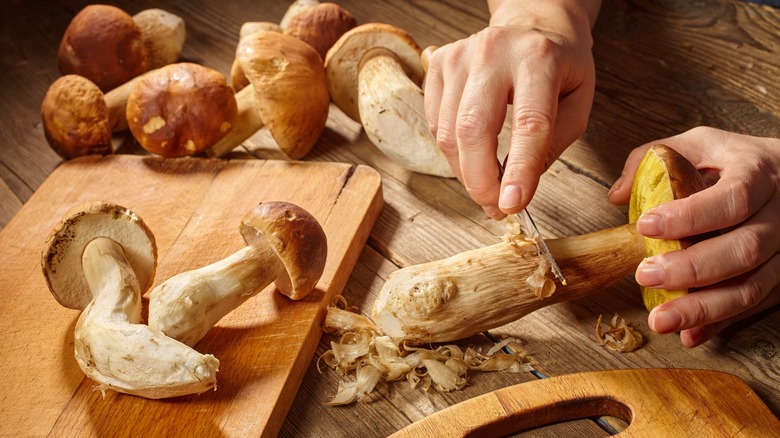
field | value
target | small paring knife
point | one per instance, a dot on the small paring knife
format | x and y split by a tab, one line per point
533	233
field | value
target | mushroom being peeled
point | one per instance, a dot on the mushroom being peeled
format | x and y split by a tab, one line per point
100	259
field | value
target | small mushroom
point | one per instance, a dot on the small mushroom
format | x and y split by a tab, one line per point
181	109
289	94
374	72
163	35
104	44
321	26
101	258
285	245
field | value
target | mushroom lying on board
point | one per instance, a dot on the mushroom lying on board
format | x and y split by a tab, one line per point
285	245
100	259
374	76
484	288
109	47
181	109
289	94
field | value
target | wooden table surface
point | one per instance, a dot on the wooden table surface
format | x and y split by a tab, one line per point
662	68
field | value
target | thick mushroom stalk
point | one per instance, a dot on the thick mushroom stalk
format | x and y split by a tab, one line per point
285	245
484	288
393	115
108	250
278	68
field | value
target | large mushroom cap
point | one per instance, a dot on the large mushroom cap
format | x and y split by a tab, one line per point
103	44
181	109
288	79
61	257
343	60
296	237
76	118
321	26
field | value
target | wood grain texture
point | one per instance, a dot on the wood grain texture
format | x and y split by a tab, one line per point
663	66
194	207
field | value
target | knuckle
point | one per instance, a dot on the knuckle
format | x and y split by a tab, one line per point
470	126
532	122
445	139
750	293
749	247
739	199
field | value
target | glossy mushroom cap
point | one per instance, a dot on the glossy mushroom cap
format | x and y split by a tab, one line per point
296	237
291	94
76	118
321	26
61	256
343	60
103	44
181	109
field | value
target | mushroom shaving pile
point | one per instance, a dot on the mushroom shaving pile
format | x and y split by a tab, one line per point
364	357
619	336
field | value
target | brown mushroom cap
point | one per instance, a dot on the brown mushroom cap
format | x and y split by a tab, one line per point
103	44
321	26
288	79
296	237
61	257
163	34
76	118
343	60
181	109
237	77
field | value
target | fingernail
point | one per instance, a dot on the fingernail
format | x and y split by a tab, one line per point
617	185
693	337
493	212
650	224
649	274
665	321
510	198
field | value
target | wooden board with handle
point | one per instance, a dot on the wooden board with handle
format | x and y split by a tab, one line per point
660	402
194	207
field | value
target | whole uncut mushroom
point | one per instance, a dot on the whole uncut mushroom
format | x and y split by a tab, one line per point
101	258
181	109
163	35
321	26
288	94
284	244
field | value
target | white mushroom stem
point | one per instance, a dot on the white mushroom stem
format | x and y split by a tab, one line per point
186	306
393	115
247	123
119	353
486	288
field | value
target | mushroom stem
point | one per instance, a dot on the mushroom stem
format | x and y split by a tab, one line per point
186	306
481	289
392	112
247	123
116	101
115	350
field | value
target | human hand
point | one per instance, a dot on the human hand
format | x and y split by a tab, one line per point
547	73
737	273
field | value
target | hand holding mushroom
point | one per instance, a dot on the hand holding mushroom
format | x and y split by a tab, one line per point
736	272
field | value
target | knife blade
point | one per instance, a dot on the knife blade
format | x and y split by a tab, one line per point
533	233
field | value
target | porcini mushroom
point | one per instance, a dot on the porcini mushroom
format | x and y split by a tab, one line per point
237	77
295	8
288	96
285	245
163	35
321	26
374	75
181	109
663	175
485	288
104	44
100	259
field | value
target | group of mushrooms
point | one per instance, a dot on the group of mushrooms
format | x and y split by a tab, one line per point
124	72
102	258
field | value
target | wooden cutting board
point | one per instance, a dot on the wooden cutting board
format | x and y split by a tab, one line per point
194	207
656	402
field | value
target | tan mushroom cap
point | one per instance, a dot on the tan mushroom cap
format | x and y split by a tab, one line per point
343	60
291	93
321	26
296	237
163	34
61	257
104	44
76	118
181	109
237	77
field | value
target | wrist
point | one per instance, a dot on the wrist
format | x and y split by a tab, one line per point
571	19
